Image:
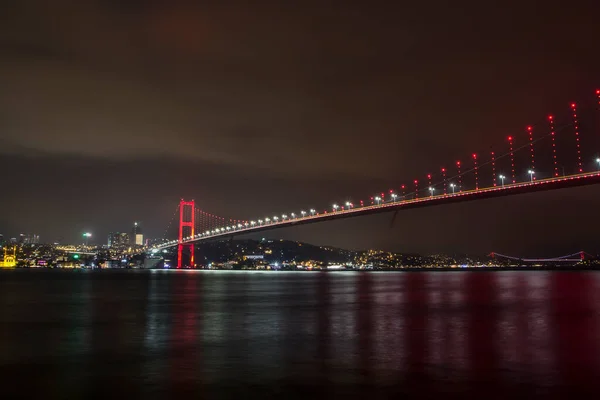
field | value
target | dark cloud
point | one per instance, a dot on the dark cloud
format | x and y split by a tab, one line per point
297	98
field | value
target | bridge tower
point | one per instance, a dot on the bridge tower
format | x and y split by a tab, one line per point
187	212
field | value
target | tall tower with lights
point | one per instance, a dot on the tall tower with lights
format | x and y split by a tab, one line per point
137	237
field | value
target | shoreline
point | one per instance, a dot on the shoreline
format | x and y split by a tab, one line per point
376	270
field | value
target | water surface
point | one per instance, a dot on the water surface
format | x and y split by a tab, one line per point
169	334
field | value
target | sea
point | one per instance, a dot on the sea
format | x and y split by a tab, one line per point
85	334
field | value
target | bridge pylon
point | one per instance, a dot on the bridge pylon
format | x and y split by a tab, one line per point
187	212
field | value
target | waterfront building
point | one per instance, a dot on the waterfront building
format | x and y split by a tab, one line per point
10	258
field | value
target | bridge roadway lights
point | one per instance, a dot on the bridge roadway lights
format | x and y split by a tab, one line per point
481	193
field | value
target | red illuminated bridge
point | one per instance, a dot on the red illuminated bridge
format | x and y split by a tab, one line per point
563	151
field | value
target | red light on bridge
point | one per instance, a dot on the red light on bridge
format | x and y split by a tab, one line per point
493	167
573	105
512	159
459	176
444	180
531	149
550	117
476	171
576	128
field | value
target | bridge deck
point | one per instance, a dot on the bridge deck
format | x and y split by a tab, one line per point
469	195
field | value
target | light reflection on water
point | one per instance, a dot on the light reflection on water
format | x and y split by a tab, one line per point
223	334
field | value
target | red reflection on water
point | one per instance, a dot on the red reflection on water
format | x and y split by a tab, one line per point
438	325
481	333
575	312
415	315
454	310
522	349
185	351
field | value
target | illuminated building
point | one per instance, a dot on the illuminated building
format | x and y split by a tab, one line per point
10	258
26	238
118	239
137	238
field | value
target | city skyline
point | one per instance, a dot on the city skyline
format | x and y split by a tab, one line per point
252	113
272	254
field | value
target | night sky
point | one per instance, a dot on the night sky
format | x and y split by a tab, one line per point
111	111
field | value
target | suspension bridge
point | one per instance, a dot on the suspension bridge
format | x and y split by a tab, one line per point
568	259
563	151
